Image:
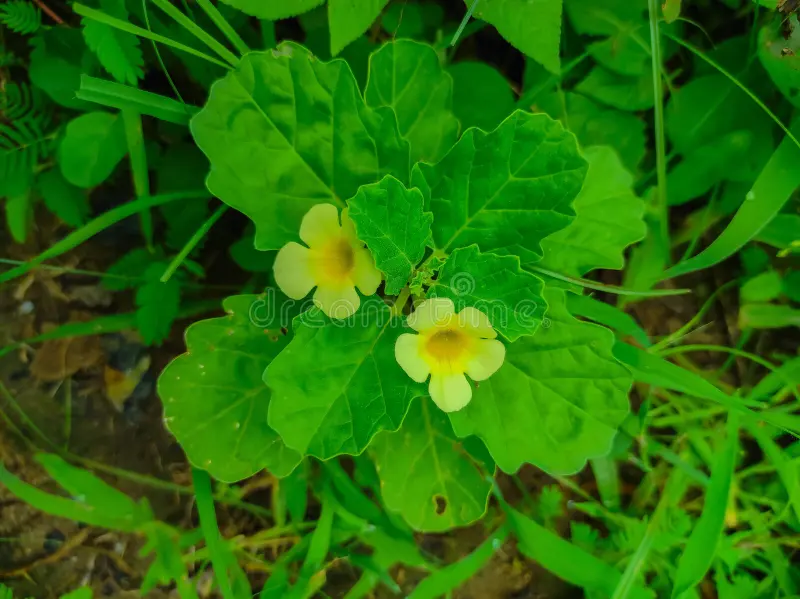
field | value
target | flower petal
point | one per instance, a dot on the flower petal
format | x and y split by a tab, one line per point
487	359
476	323
319	225
436	311
365	274
337	302
408	355
293	270
451	392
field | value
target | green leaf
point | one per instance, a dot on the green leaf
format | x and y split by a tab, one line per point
348	19
531	26
495	285
505	190
701	548
58	59
337	383
390	219
19	215
118	51
407	77
783	66
564	384
158	304
768	316
307	120
609	218
426	475
620	91
565	560
81	593
482	96
181	168
215	402
762	288
93	145
133	264
672	10
273	10
67	202
597	125
21	16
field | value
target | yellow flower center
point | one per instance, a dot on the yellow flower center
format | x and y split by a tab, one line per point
447	348
334	261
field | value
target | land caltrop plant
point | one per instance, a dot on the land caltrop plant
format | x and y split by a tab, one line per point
392	273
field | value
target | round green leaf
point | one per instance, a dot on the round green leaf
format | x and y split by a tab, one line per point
348	19
92	146
556	401
66	201
427	474
285	131
273	10
506	190
215	402
337	384
482	97
407	77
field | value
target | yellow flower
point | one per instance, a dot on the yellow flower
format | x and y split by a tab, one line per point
448	346
335	262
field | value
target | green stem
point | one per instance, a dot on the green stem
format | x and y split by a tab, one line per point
658	114
607	288
208	523
141	177
190	245
400	303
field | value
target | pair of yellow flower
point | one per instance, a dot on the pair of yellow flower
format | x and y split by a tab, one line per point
449	344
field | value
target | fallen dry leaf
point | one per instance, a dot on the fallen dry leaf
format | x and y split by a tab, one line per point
57	359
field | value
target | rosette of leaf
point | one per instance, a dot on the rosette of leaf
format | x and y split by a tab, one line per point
285	132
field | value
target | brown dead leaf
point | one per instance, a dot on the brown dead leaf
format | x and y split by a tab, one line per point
59	358
91	295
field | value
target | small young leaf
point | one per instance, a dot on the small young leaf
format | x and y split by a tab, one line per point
505	190
407	77
348	19
21	16
531	26
390	219
541	386
609	218
93	145
158	305
672	10
762	288
320	151
425	473
495	285
337	383
215	402
118	51
19	215
67	202
482	96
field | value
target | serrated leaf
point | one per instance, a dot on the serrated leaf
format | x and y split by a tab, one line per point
284	132
495	285
482	96
556	401
337	384
407	76
390	219
426	474
67	202
631	93
505	190
21	16
531	26
133	264
157	304
215	402
348	19
273	10
609	218
597	125
92	146
118	51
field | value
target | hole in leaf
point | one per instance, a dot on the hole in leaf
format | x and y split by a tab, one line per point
441	504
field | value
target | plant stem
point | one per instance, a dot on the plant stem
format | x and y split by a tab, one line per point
658	114
141	176
400	303
190	245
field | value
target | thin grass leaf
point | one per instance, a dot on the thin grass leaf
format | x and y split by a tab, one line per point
699	553
586	284
101	17
225	27
197	31
208	524
606	475
785	466
608	315
118	95
141	177
192	243
99	224
444	581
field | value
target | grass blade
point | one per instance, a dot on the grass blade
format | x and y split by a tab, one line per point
443	581
224	26
118	95
99	224
702	546
192	243
658	114
141	176
608	315
787	469
208	523
587	284
770	192
101	17
197	31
